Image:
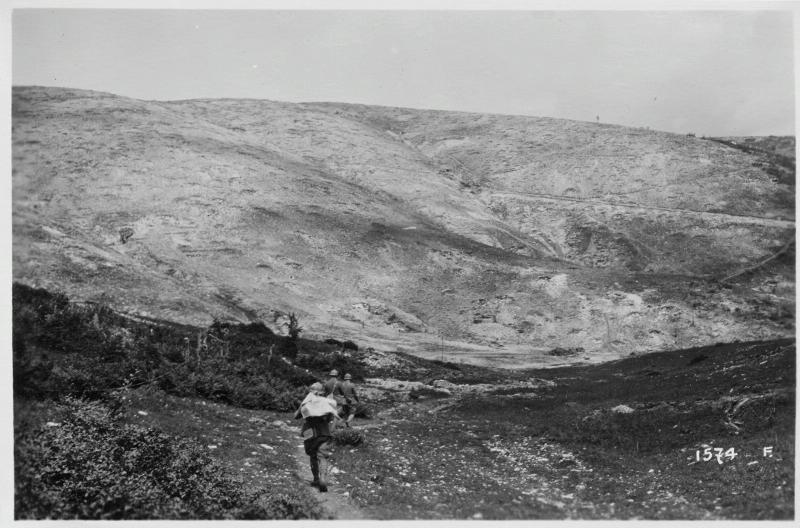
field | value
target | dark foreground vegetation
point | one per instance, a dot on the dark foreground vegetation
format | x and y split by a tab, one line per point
87	350
78	360
625	439
91	465
109	410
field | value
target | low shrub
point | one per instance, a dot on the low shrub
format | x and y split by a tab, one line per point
364	411
87	350
427	392
349	436
559	351
92	466
324	361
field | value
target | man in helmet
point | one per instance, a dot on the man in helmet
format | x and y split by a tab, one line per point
333	389
318	412
332	383
348	391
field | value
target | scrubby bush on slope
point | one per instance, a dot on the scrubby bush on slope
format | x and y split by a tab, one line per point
92	466
62	348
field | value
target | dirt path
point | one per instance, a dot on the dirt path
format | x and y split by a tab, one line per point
705	215
335	501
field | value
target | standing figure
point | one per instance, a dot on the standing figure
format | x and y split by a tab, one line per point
350	399
332	383
333	389
318	412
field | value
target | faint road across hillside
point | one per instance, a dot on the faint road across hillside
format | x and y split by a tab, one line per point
758	220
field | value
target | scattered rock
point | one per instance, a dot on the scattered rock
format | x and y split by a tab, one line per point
125	233
622	409
442	384
567	462
566	352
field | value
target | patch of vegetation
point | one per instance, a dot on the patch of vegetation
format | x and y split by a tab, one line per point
87	350
424	392
413	368
323	361
780	166
564	451
364	410
90	465
561	352
349	437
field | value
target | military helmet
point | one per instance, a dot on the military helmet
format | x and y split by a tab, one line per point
334	372
348	376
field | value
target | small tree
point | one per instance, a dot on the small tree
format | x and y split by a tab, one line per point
293	327
125	233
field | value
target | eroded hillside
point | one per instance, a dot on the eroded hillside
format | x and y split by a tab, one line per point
482	237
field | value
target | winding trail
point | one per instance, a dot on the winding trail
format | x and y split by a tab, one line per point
335	502
705	215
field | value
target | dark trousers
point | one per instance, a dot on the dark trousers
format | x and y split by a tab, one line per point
318	449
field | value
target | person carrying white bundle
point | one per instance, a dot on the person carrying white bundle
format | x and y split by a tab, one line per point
316	403
318	412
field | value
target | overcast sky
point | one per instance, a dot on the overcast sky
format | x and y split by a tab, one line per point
712	73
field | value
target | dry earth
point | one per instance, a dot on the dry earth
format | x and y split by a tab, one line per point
483	238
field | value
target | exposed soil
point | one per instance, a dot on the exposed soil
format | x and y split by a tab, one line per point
491	238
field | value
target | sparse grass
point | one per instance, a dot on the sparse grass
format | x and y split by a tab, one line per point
77	145
90	464
517	456
551	452
61	348
349	437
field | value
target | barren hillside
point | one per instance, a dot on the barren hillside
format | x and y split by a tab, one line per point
477	237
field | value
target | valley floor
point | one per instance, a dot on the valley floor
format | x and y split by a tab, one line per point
622	440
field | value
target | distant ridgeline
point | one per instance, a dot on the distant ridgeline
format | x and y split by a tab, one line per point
778	151
491	234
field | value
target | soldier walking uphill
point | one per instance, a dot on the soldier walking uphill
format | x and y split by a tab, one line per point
318	412
348	391
332	386
333	389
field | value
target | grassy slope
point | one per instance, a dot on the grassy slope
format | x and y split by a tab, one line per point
552	451
253	455
560	452
367	221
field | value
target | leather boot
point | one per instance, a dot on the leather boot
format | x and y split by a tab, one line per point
323	473
314	471
323	453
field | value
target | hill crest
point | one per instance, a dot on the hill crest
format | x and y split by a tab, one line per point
486	237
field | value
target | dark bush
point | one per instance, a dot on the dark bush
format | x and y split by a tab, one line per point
364	411
427	392
324	362
349	436
91	466
559	352
87	350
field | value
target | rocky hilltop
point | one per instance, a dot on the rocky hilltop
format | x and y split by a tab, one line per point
487	238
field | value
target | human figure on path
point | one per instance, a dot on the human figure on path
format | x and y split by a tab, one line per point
333	389
350	399
332	383
318	412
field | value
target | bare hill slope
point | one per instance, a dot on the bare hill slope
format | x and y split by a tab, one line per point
490	238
